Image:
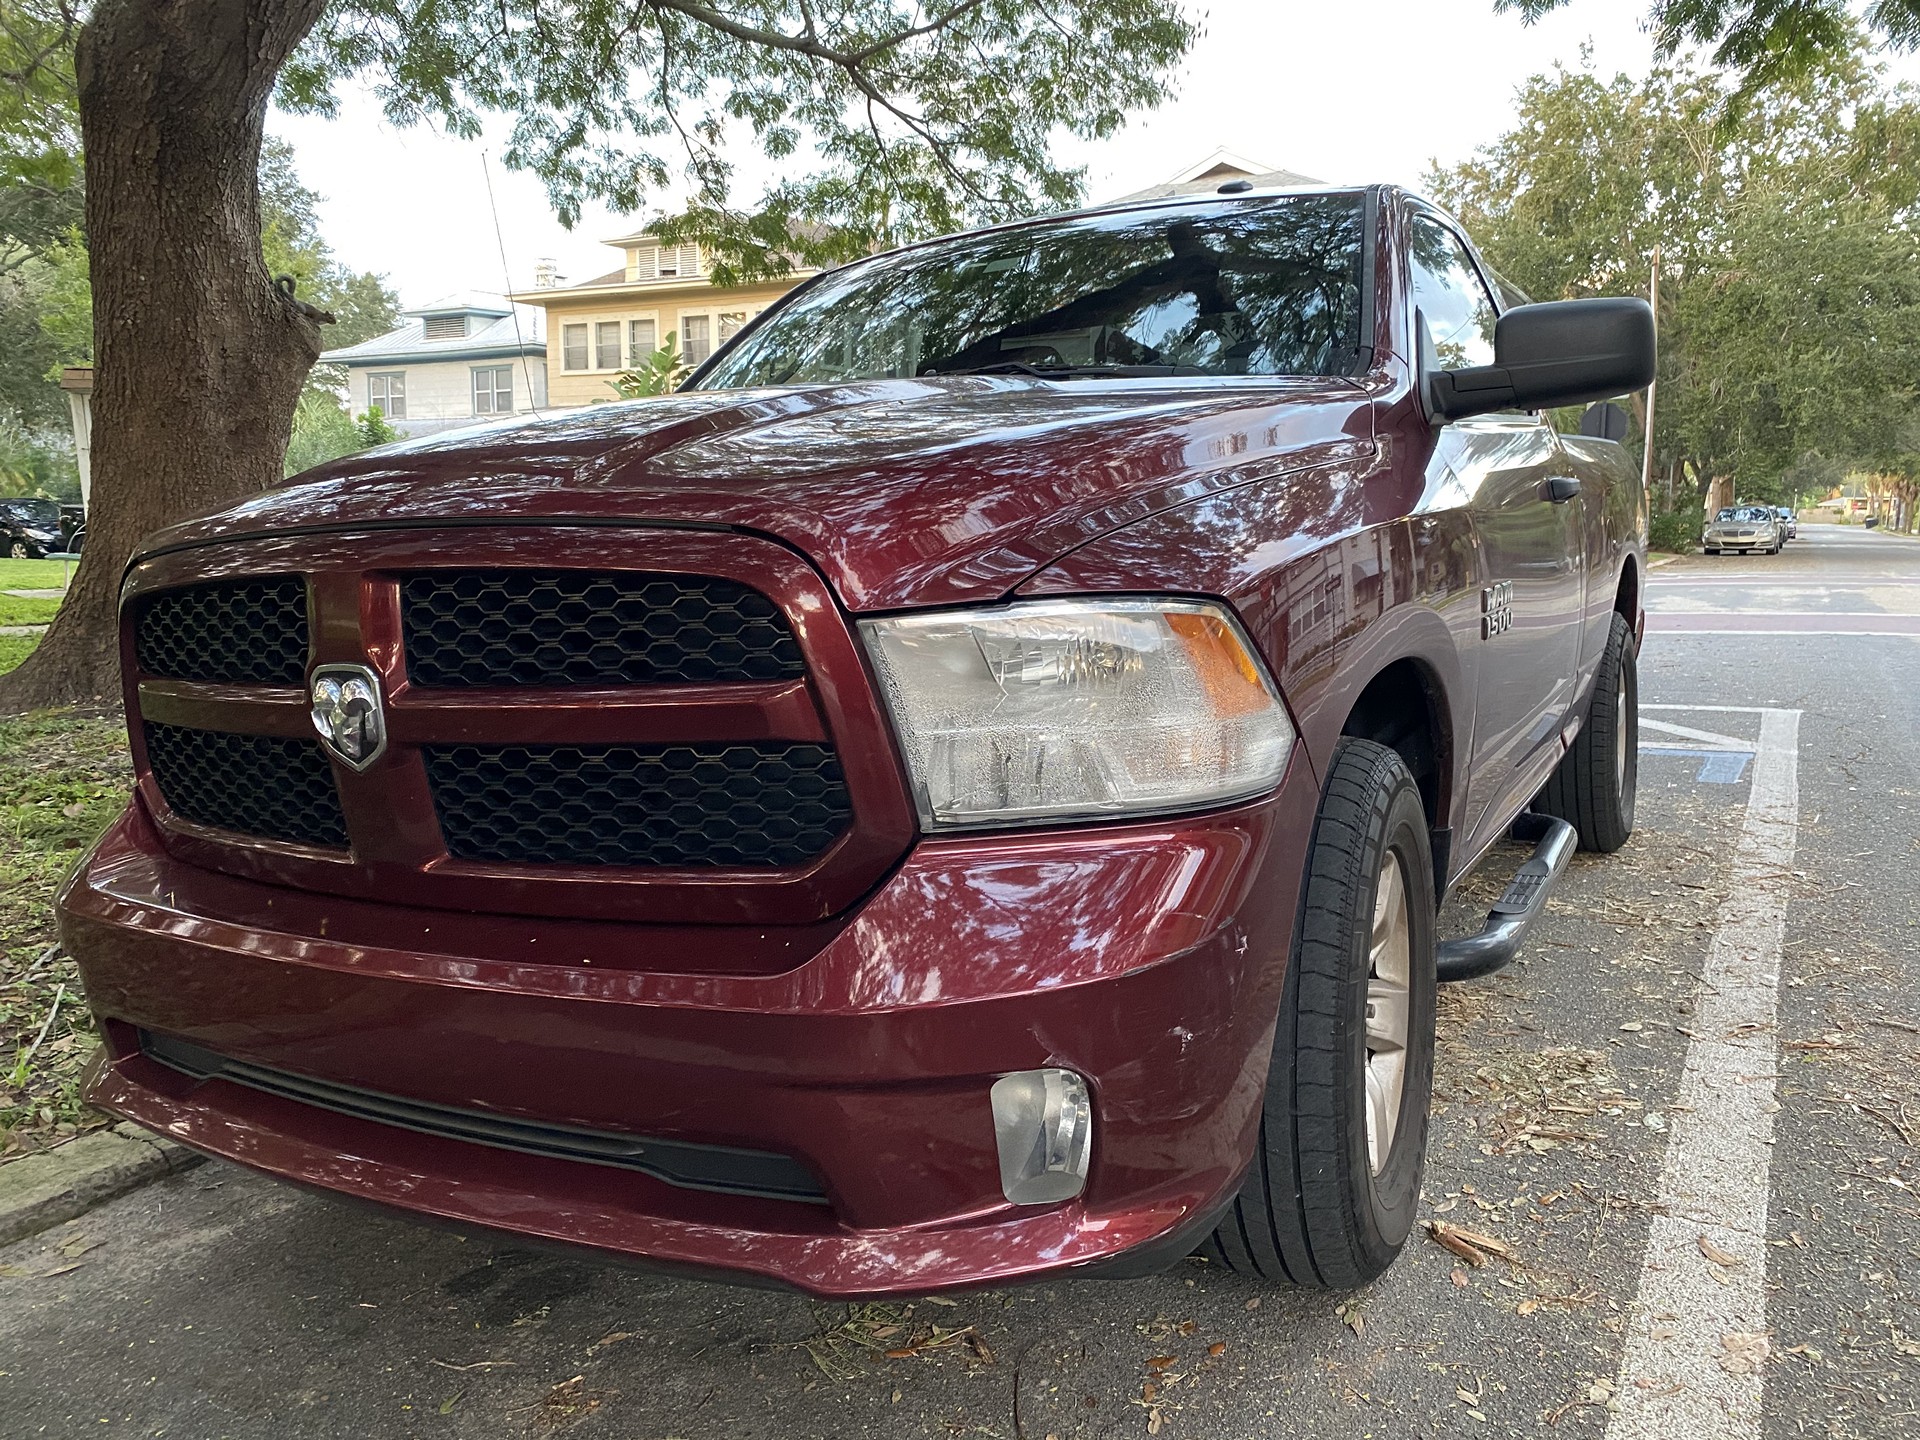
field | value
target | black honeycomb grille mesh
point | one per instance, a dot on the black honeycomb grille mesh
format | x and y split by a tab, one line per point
256	784
581	627
757	806
232	632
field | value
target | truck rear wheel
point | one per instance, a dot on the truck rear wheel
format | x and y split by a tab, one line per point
1593	789
1330	1198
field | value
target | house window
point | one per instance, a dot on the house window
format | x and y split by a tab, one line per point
642	341
606	345
446	327
732	322
493	390
573	347
696	338
387	393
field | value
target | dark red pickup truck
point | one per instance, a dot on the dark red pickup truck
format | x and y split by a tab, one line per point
959	792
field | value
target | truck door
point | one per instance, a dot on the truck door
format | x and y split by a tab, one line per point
1533	580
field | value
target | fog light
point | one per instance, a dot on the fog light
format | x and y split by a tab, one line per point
1043	1120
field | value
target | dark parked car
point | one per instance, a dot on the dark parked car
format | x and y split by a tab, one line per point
29	529
73	528
958	793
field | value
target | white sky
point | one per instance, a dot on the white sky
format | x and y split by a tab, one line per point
1369	90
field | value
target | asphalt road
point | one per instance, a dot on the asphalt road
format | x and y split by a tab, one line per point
1689	1114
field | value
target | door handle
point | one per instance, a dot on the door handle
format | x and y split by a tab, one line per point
1562	488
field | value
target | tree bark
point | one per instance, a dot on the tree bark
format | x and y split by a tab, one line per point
198	357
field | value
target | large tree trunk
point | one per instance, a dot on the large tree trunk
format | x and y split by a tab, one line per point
198	357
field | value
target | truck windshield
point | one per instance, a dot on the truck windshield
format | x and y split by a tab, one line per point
1252	287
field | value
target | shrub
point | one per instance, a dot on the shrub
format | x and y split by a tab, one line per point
656	374
1675	530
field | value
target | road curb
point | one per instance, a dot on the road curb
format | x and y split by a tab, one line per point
40	1191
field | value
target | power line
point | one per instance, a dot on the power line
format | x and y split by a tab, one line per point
506	279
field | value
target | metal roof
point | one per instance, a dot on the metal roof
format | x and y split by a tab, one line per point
508	330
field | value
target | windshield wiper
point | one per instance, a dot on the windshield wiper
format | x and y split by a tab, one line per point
1066	371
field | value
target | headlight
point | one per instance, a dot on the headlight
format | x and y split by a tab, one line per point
1064	709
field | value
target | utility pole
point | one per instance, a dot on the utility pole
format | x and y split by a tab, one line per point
1646	457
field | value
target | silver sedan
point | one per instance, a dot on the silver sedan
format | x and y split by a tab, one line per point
1743	528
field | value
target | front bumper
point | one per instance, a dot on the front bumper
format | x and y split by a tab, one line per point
1147	957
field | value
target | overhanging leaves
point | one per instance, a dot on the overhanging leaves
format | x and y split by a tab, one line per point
923	119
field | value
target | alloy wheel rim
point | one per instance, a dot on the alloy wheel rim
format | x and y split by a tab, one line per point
1620	720
1389	971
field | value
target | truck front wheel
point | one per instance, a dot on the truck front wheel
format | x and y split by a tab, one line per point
1593	790
1330	1197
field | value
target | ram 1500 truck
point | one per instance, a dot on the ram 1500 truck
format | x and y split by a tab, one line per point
958	792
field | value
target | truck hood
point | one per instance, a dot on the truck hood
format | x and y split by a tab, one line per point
902	492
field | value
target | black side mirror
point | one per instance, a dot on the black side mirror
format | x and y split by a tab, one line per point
1561	352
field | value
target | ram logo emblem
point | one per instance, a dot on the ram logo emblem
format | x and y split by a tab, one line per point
1496	610
348	715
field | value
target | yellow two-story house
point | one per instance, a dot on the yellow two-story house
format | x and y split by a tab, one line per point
608	324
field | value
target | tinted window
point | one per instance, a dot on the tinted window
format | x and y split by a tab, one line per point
1449	292
1263	287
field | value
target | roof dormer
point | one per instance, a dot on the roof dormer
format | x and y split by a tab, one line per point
648	259
455	317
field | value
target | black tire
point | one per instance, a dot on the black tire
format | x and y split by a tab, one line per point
1712	551
1312	1212
20	550
1593	789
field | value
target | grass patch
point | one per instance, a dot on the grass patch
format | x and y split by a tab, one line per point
14	610
14	649
63	777
35	574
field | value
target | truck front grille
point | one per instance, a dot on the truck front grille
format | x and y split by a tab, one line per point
746	805
261	785
579	627
234	632
643	724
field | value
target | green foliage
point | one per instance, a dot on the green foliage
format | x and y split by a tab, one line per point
63	777
657	374
361	304
1790	274
1676	530
39	131
37	461
322	431
373	429
1764	41
924	119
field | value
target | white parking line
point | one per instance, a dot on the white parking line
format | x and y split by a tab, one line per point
1710	737
1695	1355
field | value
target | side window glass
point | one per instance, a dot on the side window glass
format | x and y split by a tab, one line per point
1449	292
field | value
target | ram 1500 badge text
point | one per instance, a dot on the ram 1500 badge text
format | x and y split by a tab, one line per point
958	792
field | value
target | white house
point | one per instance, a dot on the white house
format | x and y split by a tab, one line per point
463	358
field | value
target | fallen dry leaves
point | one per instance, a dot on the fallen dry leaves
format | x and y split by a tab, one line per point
1718	1256
1470	1245
1744	1352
